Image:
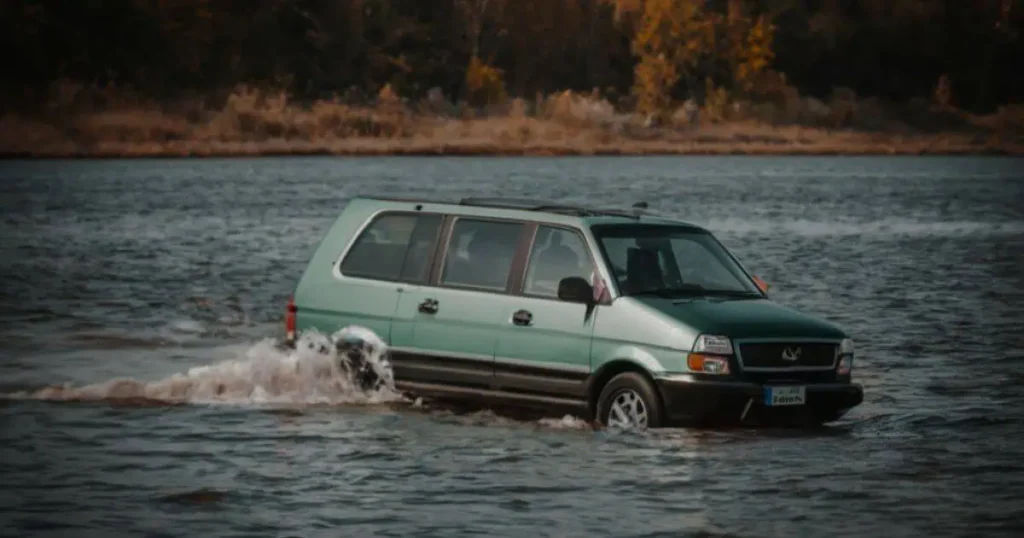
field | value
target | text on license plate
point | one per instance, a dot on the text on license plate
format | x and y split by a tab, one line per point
776	396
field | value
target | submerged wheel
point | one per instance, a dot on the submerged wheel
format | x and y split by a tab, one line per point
630	401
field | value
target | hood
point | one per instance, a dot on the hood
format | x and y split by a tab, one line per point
743	318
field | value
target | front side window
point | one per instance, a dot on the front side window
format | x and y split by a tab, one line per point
480	254
557	253
670	261
394	248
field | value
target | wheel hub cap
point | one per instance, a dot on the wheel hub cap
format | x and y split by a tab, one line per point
627	411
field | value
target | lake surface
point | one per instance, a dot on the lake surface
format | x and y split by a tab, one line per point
124	279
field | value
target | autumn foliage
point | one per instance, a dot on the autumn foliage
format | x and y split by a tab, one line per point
890	49
232	71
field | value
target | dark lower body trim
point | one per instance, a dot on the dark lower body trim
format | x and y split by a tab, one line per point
485	381
441	370
463	394
700	402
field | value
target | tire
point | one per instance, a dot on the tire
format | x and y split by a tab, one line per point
624	389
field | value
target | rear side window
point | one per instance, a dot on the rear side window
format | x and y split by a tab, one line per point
480	254
394	247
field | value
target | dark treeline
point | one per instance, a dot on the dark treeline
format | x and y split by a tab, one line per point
892	49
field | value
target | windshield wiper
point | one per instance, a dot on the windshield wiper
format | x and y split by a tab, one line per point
664	293
734	294
694	290
688	290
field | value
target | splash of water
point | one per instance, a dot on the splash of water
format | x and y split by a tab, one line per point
314	372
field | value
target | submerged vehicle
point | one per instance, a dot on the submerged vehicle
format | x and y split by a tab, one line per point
619	316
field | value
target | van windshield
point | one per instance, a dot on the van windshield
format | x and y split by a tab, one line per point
671	261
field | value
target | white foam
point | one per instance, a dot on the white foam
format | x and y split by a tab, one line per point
312	373
264	374
567	422
185	326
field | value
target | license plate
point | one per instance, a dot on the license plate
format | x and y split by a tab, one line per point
777	396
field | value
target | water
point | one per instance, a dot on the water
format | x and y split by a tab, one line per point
140	299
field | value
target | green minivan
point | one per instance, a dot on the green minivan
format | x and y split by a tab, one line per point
618	316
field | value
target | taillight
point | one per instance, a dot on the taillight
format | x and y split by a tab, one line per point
289	320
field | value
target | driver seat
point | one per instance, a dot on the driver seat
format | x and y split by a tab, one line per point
554	263
642	270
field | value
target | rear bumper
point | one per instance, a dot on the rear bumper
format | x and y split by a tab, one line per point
689	400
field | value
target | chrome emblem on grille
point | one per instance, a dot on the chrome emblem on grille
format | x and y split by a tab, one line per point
790	353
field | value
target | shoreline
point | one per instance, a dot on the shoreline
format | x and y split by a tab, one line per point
329	129
393	148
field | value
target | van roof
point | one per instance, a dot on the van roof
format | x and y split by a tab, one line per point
516	207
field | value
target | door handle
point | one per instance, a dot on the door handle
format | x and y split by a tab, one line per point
428	306
522	317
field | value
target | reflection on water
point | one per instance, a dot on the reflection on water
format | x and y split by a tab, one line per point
159	283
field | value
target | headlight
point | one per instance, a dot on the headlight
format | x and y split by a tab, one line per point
845	365
846	347
716	345
703	358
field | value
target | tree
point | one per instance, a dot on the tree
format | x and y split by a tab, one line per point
751	51
672	37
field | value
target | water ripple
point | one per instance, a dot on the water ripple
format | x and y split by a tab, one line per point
133	278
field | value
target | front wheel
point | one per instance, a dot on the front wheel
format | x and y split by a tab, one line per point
630	401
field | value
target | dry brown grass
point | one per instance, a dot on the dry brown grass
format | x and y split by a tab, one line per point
251	122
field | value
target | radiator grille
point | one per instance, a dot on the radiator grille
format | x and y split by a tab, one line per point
788	354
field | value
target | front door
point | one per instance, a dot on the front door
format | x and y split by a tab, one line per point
445	332
544	344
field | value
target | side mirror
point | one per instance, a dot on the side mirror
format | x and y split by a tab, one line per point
575	289
761	284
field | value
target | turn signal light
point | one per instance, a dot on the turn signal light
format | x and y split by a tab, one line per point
707	364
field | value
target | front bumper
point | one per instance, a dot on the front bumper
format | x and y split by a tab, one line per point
689	400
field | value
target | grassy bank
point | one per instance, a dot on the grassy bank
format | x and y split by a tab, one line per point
254	123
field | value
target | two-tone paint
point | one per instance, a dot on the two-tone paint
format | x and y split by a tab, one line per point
452	342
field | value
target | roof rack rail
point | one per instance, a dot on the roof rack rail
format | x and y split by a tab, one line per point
511	203
637	210
528	204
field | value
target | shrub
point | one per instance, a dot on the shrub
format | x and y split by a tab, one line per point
485	85
574	109
716	101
